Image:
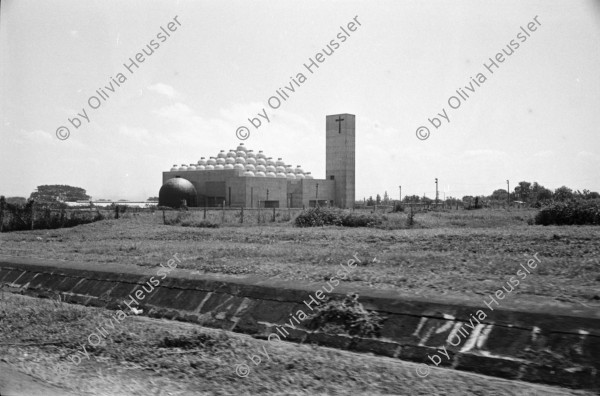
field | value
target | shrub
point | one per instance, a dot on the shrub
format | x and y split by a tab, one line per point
348	316
317	217
573	212
410	219
185	219
397	207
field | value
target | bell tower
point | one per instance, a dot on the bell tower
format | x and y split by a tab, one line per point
340	160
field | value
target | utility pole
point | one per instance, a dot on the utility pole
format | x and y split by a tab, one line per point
436	190
317	196
400	194
508	191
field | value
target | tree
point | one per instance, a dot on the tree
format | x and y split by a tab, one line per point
411	198
152	199
499	195
378	199
540	193
523	191
16	200
370	201
59	193
386	198
563	193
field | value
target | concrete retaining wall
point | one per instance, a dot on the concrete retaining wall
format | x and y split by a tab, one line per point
548	347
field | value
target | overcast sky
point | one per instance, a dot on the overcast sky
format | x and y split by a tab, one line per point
535	118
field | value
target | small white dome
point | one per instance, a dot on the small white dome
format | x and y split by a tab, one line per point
192	167
280	169
281	175
260	174
231	153
183	167
220	161
219	167
202	161
260	155
222	154
174	168
250	160
271	168
211	161
228	166
289	169
279	162
261	161
238	166
271	174
308	175
249	173
209	167
200	167
299	169
240	160
230	160
299	176
250	167
291	176
241	147
250	154
261	168
270	161
241	154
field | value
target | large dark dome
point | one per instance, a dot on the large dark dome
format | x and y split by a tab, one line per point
174	190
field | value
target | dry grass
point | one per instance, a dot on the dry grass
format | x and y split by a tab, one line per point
464	254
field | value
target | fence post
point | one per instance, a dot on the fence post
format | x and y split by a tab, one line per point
32	214
273	214
116	211
242	216
164	219
2	202
204	213
223	212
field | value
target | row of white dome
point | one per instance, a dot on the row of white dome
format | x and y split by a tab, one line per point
247	160
250	170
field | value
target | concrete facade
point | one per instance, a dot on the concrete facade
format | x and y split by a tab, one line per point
238	188
341	157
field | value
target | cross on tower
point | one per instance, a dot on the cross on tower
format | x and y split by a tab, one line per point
340	119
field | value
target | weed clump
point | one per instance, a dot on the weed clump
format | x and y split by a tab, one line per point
348	316
318	217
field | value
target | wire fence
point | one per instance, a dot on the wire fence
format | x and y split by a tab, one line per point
32	215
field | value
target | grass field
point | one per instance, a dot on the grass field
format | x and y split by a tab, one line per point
143	356
464	254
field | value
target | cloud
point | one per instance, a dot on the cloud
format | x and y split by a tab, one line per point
163	89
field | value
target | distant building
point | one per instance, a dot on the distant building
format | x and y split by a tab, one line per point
245	178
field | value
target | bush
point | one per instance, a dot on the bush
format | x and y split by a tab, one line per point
397	207
348	316
318	217
574	212
185	219
46	216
